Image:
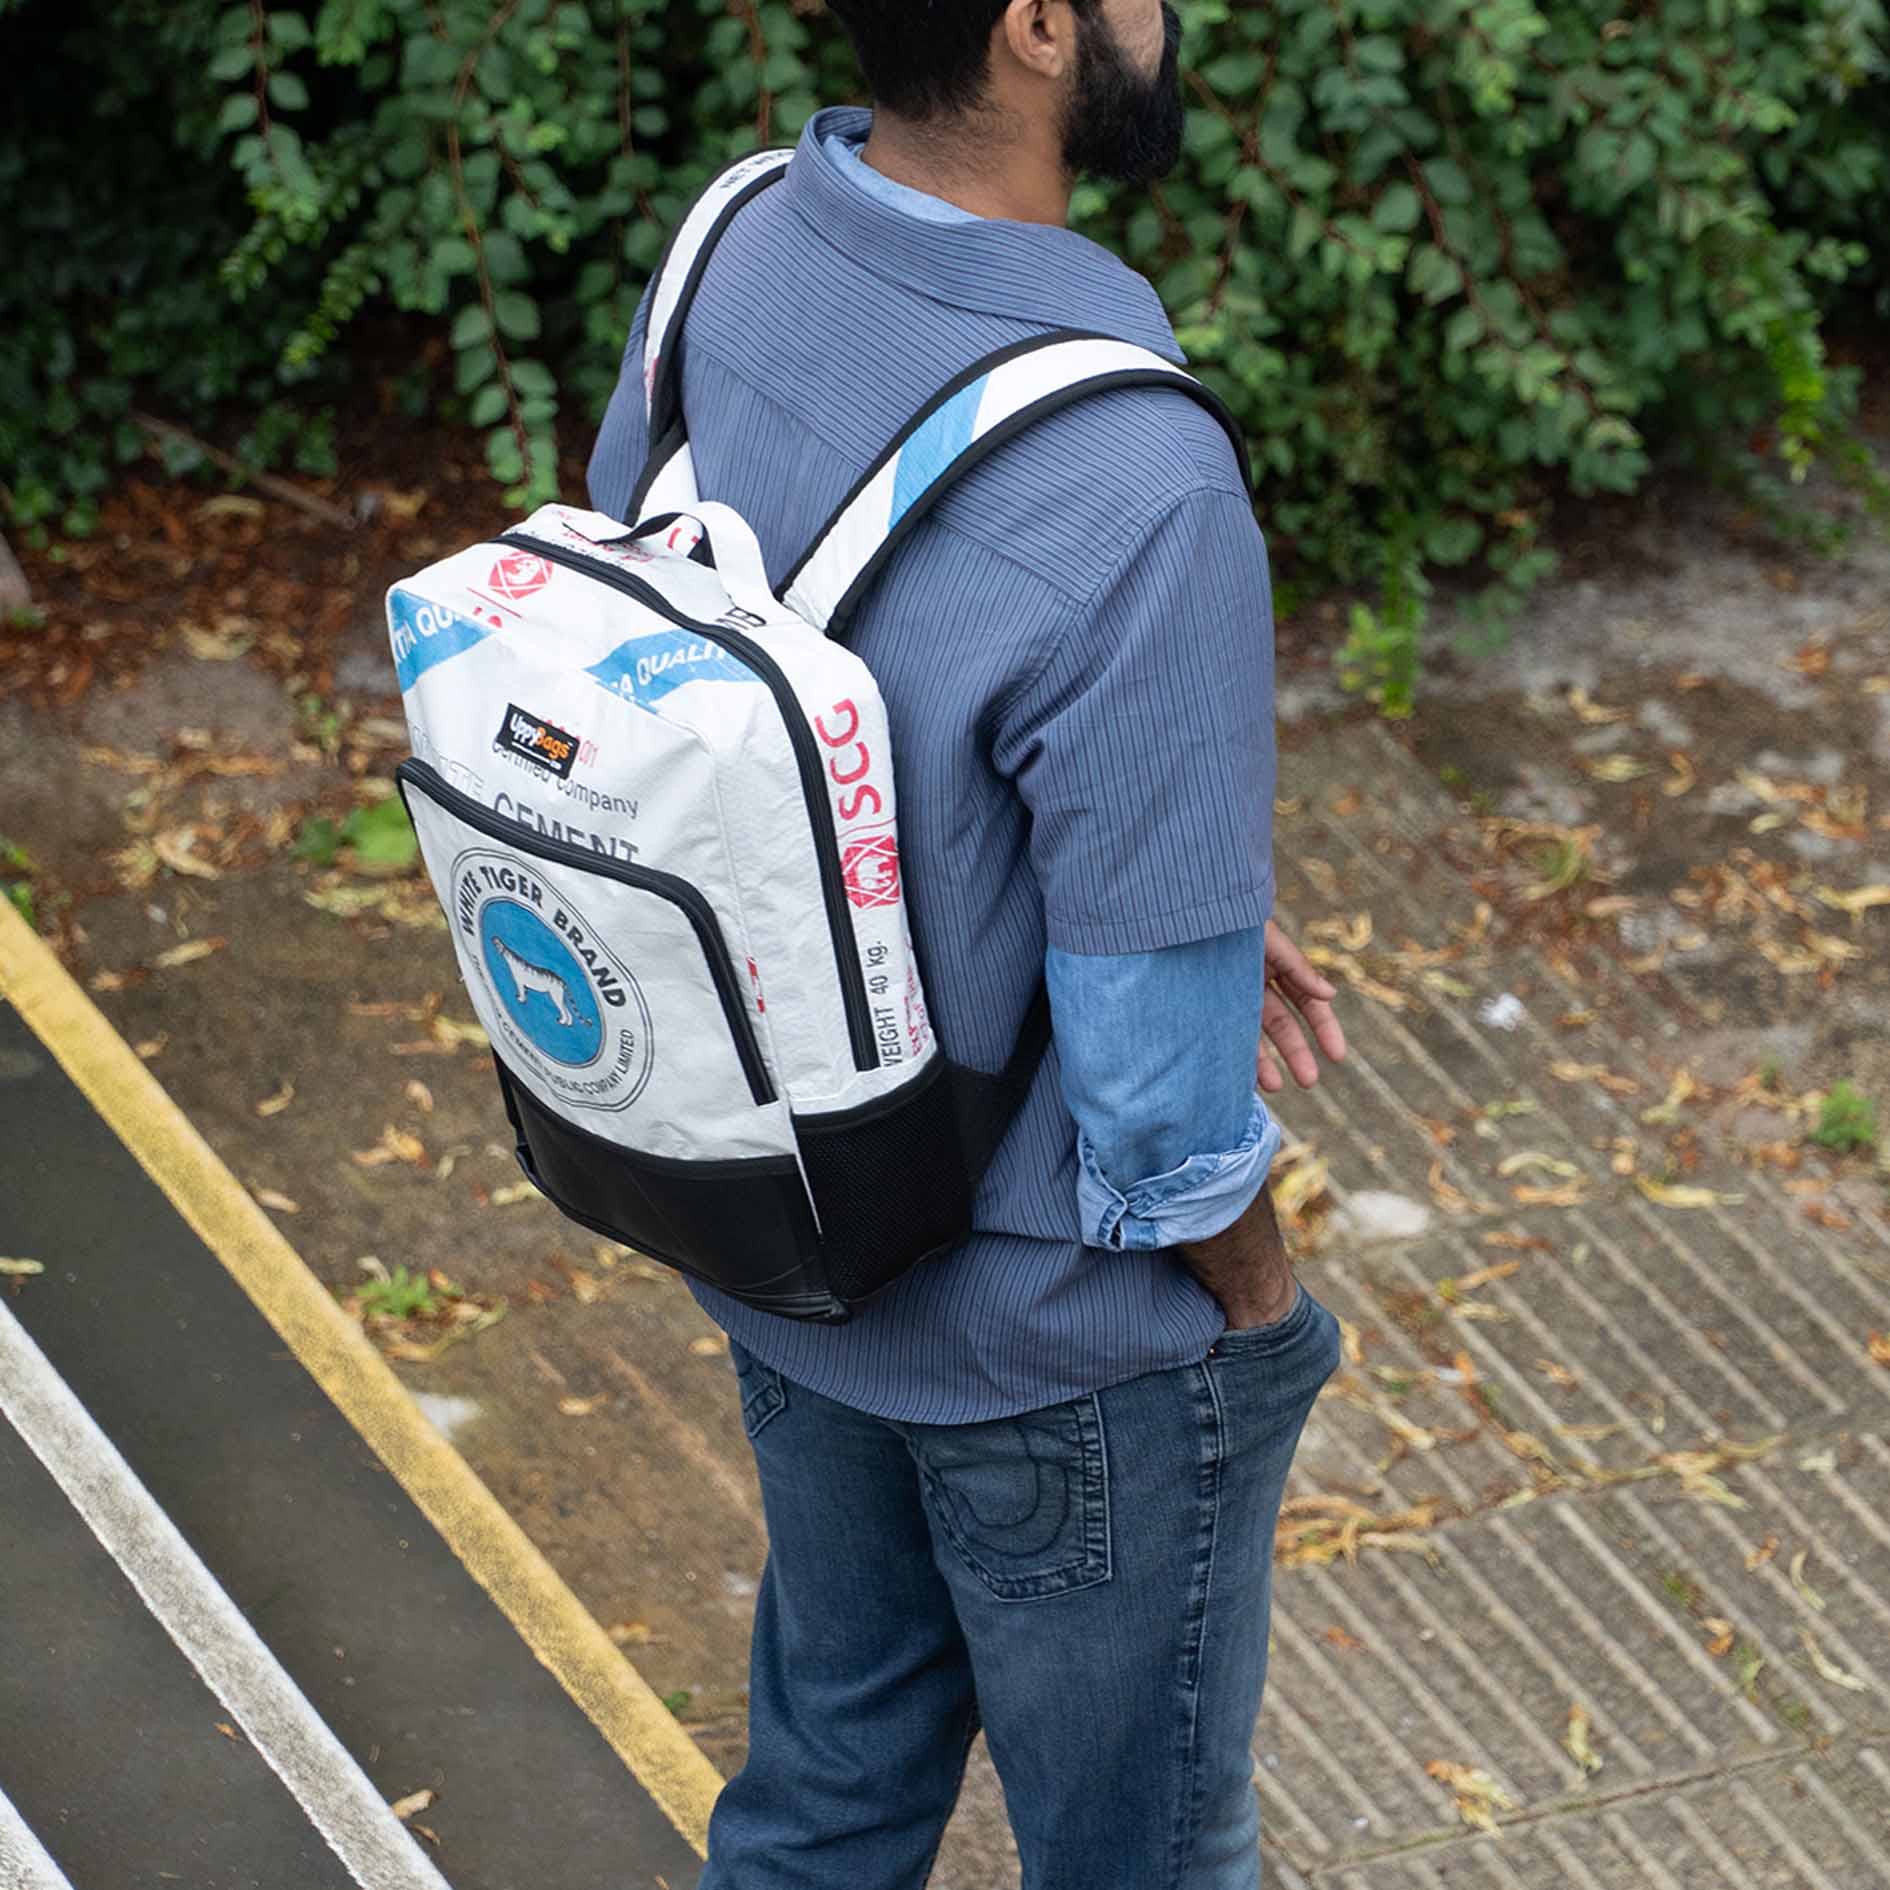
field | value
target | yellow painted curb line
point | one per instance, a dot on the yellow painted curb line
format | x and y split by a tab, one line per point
494	1549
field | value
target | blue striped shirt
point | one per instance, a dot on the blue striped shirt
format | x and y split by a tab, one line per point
1076	653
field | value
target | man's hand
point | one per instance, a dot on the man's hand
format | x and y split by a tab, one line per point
1292	984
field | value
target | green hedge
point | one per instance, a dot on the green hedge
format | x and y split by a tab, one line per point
1445	257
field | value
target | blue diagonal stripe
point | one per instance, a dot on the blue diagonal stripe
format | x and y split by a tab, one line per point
934	446
425	633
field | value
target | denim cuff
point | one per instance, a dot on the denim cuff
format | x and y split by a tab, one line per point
1205	1195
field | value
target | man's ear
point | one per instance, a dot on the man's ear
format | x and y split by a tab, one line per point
1038	36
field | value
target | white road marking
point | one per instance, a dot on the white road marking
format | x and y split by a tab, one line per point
207	1626
24	1864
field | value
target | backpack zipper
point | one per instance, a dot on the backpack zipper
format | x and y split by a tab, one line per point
678	892
807	757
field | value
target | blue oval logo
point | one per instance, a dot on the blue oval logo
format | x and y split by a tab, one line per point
539	981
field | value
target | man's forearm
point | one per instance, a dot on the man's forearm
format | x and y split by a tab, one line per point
1245	1266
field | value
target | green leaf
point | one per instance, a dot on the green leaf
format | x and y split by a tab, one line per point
1464	329
287	92
533	377
1448	180
488	405
382	836
516	314
1453	540
1397	208
472	324
504	459
239	109
1234	75
505	257
474	366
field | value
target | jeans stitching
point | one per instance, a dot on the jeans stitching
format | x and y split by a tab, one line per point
1079	1572
1187	1808
770	1392
1262	1341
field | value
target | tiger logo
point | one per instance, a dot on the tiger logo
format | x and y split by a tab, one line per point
527	977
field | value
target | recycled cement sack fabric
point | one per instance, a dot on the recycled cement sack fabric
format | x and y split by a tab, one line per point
616	742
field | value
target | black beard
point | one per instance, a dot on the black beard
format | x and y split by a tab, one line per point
1121	124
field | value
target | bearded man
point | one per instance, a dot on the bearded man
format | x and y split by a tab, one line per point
1032	1486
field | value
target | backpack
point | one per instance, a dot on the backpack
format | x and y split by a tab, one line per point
656	800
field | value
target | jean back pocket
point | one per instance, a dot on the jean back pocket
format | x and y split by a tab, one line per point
1024	1501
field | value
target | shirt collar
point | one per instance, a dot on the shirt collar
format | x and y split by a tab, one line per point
1028	271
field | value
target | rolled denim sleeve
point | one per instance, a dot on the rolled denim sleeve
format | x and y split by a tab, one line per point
1156	1052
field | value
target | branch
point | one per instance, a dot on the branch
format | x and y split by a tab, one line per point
284	489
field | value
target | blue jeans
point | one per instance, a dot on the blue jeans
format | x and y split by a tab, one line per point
1089	1582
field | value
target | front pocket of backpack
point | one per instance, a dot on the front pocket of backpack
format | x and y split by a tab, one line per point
634	1077
607	988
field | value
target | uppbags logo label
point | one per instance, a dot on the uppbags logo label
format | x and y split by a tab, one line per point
533	739
566	1006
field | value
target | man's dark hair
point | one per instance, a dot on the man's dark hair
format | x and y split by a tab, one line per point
924	58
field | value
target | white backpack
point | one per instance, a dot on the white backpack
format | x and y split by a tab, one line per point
657	803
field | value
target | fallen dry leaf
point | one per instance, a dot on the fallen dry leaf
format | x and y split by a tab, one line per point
21	1269
1762	1554
1350	935
187	954
405	1808
1681	1194
274	1198
419	1095
1721	1632
226	1729
1557	1374
709	1346
1575	1741
1591	711
1569	1071
1449	1289
583	1407
1806	1593
1452	1199
1681	1089
1683	776
1571	1194
1534	1158
631	1633
1478	1796
1879	1344
1344	1642
451	1033
1615	767
1298	1185
1827	1669
510	1196
395	1145
274	1105
176	849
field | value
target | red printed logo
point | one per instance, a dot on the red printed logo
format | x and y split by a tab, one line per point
519	573
871	870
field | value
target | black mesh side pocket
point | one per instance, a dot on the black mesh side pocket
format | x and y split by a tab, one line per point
742	1226
890	1182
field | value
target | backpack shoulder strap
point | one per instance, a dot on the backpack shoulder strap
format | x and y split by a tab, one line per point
668	479
974	414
